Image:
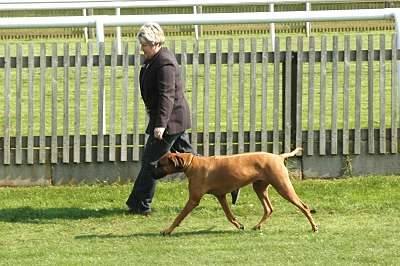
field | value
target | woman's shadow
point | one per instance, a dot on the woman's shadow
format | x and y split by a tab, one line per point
204	232
45	215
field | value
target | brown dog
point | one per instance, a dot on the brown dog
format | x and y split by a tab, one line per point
219	175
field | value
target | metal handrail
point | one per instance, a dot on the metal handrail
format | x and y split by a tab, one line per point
209	18
83	4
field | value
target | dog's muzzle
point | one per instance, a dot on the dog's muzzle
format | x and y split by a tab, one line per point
157	171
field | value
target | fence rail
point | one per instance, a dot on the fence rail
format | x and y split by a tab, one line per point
329	101
39	8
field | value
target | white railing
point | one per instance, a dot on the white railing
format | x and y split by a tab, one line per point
98	4
101	21
117	5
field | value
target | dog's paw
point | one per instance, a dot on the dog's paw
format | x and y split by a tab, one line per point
165	233
257	227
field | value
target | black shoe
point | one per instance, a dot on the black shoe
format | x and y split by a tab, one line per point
138	212
235	195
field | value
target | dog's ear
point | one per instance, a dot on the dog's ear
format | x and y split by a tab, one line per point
181	161
177	161
172	160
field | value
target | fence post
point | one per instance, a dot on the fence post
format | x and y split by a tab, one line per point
293	97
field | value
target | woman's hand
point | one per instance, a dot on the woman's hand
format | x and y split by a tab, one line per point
158	132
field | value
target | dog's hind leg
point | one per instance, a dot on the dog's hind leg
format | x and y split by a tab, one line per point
228	212
261	190
287	191
306	210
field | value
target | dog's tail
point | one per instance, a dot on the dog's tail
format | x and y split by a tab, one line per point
291	154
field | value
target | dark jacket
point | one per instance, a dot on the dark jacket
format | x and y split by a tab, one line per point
162	93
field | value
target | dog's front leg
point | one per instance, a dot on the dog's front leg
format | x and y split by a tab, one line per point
228	213
190	205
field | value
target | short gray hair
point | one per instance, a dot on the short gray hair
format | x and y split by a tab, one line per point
151	33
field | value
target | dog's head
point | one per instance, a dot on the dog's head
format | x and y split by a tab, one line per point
171	163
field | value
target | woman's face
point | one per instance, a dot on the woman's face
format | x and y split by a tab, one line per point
149	51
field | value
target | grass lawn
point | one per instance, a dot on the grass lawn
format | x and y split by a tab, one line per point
359	221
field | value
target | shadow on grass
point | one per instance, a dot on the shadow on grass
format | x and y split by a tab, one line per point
41	215
205	232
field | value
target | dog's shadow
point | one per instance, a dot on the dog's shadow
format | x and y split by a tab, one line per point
44	215
204	232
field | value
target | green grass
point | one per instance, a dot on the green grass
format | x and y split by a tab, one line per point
358	218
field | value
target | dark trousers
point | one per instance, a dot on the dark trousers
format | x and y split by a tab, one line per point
144	187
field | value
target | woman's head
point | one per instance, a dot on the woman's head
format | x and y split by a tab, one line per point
151	38
151	34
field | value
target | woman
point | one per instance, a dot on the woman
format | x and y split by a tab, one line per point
167	107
